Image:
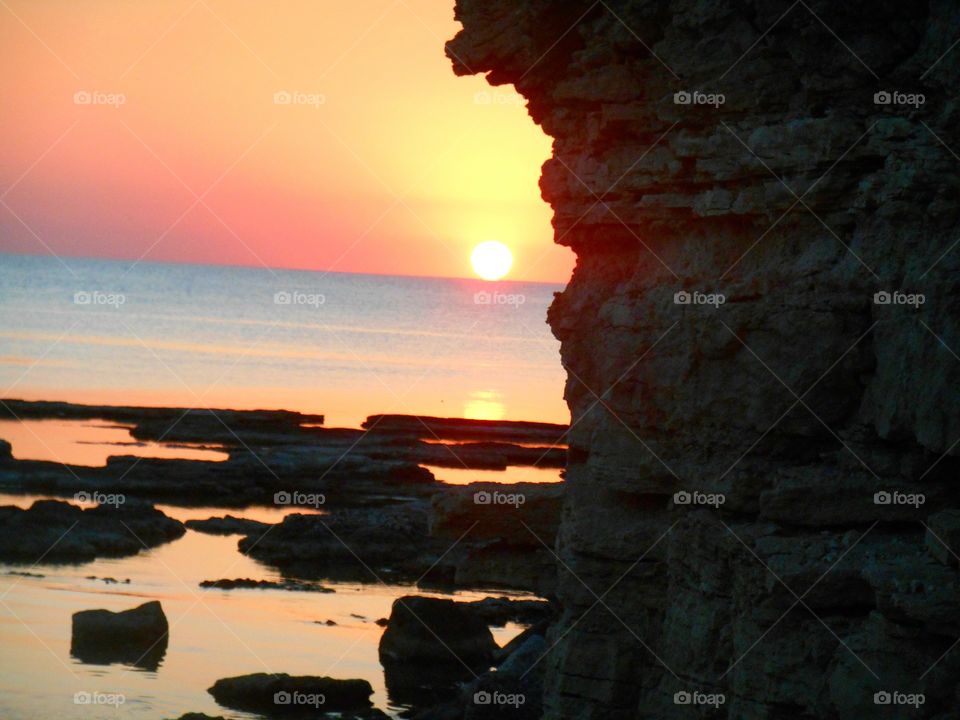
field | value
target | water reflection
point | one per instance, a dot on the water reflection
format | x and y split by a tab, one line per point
213	633
90	442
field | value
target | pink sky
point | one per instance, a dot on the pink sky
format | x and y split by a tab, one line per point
383	161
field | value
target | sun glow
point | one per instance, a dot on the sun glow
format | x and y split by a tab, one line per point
491	260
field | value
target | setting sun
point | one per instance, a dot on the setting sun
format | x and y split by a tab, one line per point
491	260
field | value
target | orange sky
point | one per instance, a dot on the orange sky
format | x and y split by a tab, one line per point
383	162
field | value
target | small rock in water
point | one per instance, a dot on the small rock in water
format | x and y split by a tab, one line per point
276	694
248	584
138	636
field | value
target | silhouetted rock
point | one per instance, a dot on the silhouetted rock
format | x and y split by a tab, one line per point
281	695
227	525
721	341
354	543
467	429
137	636
434	630
249	584
498	611
59	532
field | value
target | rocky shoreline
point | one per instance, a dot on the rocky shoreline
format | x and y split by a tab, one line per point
374	516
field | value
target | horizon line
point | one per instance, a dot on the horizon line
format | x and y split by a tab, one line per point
261	266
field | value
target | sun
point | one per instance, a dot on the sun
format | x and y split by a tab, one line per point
491	259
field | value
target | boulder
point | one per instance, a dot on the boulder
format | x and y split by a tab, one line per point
432	630
282	695
137	636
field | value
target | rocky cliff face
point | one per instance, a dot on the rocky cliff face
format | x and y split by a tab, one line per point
739	180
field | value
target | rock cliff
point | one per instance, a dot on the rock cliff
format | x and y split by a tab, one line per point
761	342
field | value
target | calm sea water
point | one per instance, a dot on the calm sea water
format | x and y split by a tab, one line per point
345	345
213	633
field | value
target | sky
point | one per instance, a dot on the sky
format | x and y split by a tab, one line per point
295	134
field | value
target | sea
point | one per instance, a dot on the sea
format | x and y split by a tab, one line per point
338	344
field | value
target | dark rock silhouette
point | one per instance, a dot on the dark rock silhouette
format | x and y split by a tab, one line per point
138	636
282	695
762	340
430	646
436	630
60	532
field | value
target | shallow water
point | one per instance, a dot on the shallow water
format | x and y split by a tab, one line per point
91	442
213	633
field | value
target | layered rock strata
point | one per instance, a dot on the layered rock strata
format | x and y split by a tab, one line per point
762	348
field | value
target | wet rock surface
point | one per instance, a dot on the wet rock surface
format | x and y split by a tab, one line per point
248	584
282	695
227	525
819	403
436	631
138	636
280	454
54	531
